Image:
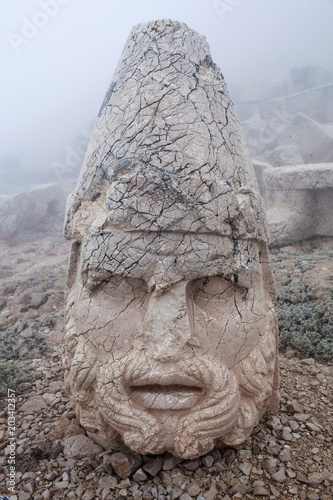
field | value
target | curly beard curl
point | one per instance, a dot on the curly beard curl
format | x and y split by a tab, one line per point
194	432
226	415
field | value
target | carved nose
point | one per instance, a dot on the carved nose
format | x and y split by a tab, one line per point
166	326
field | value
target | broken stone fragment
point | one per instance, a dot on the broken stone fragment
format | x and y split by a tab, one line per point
79	446
125	464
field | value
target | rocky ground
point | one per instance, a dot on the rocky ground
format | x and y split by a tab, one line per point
288	456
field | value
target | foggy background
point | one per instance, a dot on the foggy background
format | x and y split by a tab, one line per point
58	57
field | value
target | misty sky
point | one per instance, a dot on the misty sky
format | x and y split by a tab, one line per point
58	56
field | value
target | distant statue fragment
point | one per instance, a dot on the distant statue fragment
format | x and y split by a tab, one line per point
170	339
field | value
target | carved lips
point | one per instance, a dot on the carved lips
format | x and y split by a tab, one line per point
166	392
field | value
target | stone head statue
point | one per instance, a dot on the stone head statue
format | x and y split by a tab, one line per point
170	337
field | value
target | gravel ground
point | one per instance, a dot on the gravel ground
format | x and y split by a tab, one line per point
288	456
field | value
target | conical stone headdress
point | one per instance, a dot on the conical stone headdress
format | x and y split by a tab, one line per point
167	152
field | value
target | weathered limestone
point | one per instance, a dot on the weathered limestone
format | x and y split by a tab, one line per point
313	140
284	156
170	337
299	201
304	119
316	103
29	210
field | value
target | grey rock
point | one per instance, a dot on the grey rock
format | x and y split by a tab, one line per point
294	407
193	488
313	496
301	478
51	476
185	496
35	404
220	466
279	476
268	466
79	447
246	468
170	462
308	361
56	448
283	156
137	495
154	466
260	491
79	491
24	495
28	210
65	477
293	425
89	495
274	423
124	484
212	492
38	300
175	492
29	487
29	475
139	475
315	478
291	473
286	434
122	493
108	482
273	449
125	464
301	417
274	491
154	492
313	141
298	201
191	465
313	427
207	460
285	455
245	455
239	488
61	485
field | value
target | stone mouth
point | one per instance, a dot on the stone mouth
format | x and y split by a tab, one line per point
166	397
168	392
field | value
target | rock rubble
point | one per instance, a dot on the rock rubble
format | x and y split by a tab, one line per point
288	456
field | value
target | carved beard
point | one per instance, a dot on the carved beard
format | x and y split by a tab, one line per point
226	414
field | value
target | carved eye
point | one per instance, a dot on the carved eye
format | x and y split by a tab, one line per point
123	289
217	288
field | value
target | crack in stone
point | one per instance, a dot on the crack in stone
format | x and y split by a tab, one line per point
170	278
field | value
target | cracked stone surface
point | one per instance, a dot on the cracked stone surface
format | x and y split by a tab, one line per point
170	334
299	202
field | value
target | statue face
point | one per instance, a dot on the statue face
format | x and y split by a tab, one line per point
170	340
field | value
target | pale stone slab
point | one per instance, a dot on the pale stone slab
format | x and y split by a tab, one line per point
299	202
